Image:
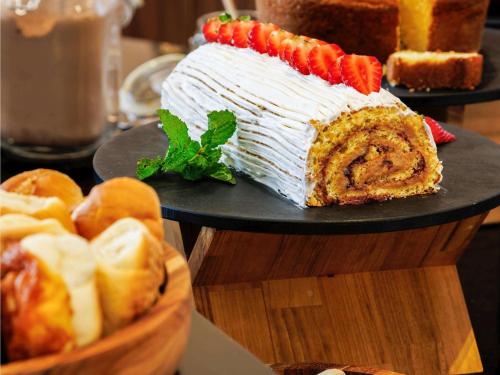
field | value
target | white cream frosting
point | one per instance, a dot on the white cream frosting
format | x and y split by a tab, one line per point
274	105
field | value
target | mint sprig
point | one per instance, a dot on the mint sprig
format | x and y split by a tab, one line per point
192	160
225	17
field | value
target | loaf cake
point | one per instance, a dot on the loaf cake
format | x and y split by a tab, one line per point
380	27
433	70
368	27
315	142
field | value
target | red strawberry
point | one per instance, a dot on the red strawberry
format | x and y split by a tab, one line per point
259	34
364	73
287	47
334	76
226	32
300	57
323	59
211	29
316	42
274	41
240	33
438	133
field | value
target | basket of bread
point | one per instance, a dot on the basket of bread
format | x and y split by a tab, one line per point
88	284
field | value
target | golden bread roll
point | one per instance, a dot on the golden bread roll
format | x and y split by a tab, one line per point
37	207
116	199
69	256
36	308
46	183
130	271
14	227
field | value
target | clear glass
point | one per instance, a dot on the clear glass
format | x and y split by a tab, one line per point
60	68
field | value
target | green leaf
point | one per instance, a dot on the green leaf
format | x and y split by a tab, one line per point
213	155
195	168
225	17
222	173
245	18
175	129
221	126
176	158
188	157
148	167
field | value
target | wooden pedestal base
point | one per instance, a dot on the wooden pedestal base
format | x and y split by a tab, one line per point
388	300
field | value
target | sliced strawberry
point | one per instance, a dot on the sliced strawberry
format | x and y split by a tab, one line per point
259	34
300	57
226	32
211	29
240	33
334	76
323	59
287	47
274	41
438	133
364	73
314	41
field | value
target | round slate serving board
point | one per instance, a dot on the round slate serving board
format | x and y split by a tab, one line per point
471	185
489	89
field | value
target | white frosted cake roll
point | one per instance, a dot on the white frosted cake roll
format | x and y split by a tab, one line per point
313	142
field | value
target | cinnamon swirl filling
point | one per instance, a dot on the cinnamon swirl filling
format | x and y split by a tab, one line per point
372	155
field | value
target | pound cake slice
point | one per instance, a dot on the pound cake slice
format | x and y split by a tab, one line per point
315	142
442	25
433	70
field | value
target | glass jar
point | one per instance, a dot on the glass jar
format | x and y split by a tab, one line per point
60	64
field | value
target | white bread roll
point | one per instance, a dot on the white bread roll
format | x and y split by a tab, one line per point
46	183
13	227
130	271
69	256
116	199
38	207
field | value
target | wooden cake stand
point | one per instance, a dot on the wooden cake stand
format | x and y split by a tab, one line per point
374	285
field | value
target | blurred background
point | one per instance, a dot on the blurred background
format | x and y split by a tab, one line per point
174	20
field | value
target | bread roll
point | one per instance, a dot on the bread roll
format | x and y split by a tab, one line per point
46	183
37	207
116	199
69	256
130	271
36	308
13	227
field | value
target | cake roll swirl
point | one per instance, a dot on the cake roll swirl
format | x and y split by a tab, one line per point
315	143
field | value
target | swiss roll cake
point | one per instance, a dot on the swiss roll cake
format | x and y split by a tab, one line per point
314	142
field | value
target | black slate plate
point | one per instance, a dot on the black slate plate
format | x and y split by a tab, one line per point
471	185
489	89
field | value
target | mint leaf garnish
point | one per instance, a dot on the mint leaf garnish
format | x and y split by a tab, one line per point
245	18
175	129
148	167
225	17
222	173
189	158
221	126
